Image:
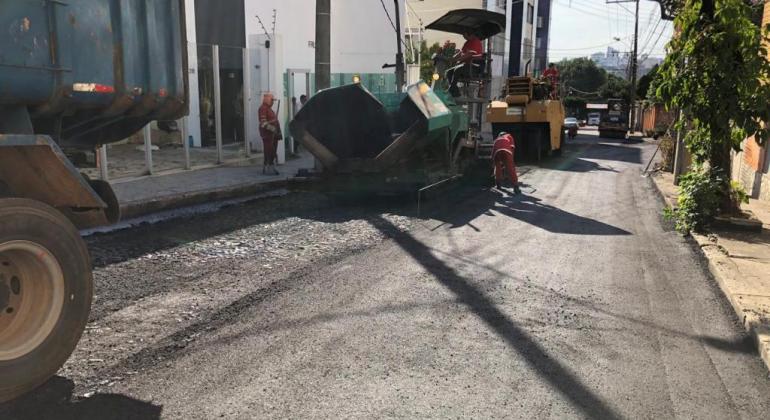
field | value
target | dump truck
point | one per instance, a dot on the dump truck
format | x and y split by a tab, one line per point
74	75
528	112
614	121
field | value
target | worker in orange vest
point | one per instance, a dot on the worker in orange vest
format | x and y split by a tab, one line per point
502	157
270	131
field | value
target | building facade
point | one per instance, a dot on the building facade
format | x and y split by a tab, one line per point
529	24
269	45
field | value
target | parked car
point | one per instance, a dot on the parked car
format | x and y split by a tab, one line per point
594	118
571	122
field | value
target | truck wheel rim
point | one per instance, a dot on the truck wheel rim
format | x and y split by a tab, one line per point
31	297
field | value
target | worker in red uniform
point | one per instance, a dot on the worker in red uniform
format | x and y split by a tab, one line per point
270	131
502	156
473	49
552	74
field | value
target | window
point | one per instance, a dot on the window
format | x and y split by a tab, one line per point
530	13
538	43
539	21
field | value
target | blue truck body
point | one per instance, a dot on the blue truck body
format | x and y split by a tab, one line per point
91	72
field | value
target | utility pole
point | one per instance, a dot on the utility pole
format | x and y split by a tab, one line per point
634	64
634	61
400	70
322	44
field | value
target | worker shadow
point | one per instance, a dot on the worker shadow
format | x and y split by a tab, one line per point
527	209
54	400
578	165
532	210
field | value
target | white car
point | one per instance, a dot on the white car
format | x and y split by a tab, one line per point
571	122
594	118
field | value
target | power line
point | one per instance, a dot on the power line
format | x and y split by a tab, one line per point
651	34
656	41
393	25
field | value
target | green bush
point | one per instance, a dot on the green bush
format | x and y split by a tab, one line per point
700	194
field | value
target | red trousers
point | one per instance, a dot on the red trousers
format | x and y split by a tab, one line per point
270	146
504	160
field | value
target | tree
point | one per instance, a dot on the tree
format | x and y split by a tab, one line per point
615	87
717	72
426	58
643	87
581	74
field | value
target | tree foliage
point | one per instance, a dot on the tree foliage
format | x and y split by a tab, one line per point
426	54
716	70
643	86
582	74
616	87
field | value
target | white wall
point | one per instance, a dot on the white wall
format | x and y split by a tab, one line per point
362	38
295	22
430	10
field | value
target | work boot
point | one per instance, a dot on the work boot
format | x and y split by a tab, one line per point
516	189
497	185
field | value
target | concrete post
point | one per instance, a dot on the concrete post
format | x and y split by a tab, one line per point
148	148
217	102
246	100
322	44
186	138
679	152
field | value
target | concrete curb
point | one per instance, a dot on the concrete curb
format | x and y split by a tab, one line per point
133	209
721	268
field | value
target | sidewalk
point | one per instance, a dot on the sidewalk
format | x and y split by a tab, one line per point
740	262
152	194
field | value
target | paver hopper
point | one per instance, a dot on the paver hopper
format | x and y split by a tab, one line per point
351	132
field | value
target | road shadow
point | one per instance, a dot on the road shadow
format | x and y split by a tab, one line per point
743	343
579	165
54	401
620	152
530	210
558	376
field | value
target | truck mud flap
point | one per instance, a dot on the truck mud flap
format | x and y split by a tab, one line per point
34	167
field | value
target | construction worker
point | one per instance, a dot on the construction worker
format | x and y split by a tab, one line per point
472	50
502	157
552	74
270	131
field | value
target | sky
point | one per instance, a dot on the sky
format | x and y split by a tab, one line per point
580	28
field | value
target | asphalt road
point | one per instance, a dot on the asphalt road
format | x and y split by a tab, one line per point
574	300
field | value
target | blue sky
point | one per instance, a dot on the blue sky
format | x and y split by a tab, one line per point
582	27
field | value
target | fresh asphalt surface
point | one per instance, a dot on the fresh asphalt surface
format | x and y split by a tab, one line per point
574	300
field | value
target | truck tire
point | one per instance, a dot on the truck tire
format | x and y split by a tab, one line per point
45	293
